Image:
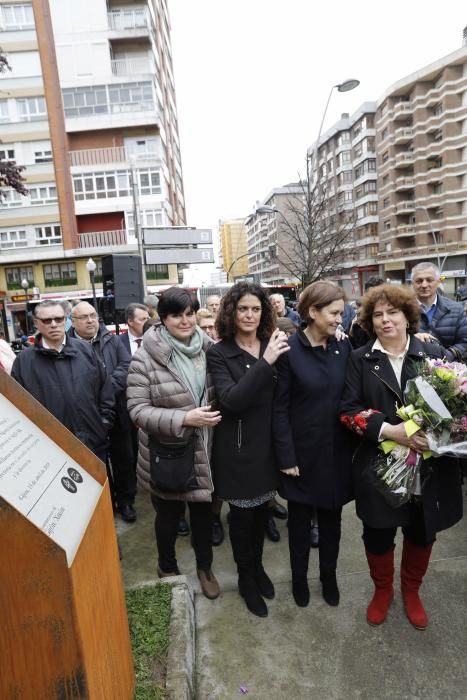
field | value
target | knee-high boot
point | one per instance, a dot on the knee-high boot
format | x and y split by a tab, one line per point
382	573
414	566
264	583
241	531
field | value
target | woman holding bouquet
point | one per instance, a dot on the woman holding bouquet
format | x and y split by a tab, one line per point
313	449
376	378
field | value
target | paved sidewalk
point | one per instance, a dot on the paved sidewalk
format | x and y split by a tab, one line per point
320	652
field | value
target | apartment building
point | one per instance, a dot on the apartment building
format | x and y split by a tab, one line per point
345	171
234	247
270	254
89	108
421	146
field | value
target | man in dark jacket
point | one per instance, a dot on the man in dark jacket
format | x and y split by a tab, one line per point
67	379
116	360
442	320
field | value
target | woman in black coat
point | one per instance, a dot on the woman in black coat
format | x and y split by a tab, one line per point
376	378
312	448
243	372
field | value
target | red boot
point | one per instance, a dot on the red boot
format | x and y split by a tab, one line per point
413	568
382	573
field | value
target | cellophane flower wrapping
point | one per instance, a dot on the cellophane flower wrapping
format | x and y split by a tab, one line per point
398	475
439	398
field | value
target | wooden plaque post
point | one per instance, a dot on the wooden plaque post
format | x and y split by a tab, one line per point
63	621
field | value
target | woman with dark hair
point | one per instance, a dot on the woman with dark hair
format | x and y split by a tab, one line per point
313	450
169	399
376	377
243	373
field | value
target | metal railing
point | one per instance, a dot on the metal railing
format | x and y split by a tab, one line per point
97	239
120	20
97	156
442	249
130	66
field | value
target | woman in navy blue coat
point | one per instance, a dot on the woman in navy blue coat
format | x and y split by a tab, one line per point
313	451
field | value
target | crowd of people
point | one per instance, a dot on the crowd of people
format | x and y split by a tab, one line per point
247	398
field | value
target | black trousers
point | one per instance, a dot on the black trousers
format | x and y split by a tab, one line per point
381	540
168	514
299	524
123	463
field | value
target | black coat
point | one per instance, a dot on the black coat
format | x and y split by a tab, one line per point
116	359
73	386
372	384
242	456
306	429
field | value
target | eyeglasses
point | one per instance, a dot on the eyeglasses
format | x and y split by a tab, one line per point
85	317
49	320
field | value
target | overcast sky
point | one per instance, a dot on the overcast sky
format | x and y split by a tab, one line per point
252	78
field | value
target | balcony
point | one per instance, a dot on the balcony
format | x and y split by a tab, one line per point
403	135
102	239
402	109
404	160
131	19
405	231
98	156
122	67
405	206
405	183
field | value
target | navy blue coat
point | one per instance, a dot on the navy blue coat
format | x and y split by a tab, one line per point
449	325
306	428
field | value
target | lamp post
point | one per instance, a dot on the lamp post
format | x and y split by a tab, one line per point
25	286
420	207
345	86
91	268
239	257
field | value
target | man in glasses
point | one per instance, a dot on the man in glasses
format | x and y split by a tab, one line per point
116	360
66	377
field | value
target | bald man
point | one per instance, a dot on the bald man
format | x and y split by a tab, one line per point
116	360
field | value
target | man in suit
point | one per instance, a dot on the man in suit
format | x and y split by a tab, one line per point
136	316
442	320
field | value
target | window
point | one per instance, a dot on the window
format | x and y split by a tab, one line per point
385	180
101	99
48	235
437	188
7	154
43	156
16	17
345	178
384	133
438	109
387	225
4	114
14	275
59	274
13	239
149	181
31	109
43	194
343	158
344	137
385	157
157	272
12	198
385	202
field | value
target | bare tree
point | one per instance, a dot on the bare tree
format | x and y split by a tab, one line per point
10	172
315	231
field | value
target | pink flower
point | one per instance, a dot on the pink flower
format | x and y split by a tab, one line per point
463	387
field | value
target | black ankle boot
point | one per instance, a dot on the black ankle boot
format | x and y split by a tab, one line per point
264	583
300	591
250	594
329	587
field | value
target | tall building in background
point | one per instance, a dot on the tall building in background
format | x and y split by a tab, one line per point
89	108
421	147
345	166
234	248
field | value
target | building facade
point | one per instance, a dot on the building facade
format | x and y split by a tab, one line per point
421	146
89	108
234	247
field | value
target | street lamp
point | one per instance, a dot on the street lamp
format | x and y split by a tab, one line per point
91	268
440	264
346	86
25	286
239	257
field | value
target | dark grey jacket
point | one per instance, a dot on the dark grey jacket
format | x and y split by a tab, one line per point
449	325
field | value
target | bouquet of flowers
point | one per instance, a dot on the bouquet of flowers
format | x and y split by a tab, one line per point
436	402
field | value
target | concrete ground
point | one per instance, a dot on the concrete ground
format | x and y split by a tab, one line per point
319	652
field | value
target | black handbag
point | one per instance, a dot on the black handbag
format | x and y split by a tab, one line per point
172	467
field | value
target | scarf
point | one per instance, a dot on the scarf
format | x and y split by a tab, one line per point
189	361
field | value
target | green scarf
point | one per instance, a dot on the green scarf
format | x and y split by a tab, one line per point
189	361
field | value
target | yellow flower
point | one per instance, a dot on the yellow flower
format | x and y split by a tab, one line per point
445	374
